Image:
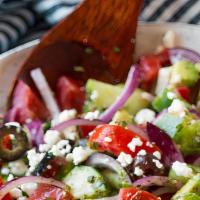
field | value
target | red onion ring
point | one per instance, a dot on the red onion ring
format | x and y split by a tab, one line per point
130	85
156	181
76	122
183	54
138	131
164	190
4	189
36	132
105	161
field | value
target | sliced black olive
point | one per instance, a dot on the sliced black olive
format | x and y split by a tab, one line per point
21	144
147	164
43	164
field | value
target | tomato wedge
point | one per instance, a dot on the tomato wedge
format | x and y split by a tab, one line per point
184	92
26	105
135	194
69	94
7	196
44	192
150	66
115	139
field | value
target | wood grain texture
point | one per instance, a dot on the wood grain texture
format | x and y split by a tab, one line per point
108	26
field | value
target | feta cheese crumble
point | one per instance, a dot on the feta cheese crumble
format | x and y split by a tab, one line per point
51	137
142	153
148	144
29	188
181	169
5	170
44	147
16	193
22	198
12	124
138	171
61	148
10	177
92	115
94	95
157	154
134	143
107	139
159	165
177	108
18	167
64	116
80	154
171	95
124	159
175	79
34	158
145	115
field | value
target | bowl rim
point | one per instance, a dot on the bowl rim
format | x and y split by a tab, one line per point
140	25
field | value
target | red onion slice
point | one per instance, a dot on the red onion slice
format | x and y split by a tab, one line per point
130	85
156	181
138	131
76	122
168	147
7	187
164	190
195	112
36	132
45	91
104	161
176	54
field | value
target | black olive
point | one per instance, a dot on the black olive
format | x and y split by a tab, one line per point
48	157
20	146
147	163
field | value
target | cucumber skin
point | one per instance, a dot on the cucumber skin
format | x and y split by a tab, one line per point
115	180
192	186
100	187
108	93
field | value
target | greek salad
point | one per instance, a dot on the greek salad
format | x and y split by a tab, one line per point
130	141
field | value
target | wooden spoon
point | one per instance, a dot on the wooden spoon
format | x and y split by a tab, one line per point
96	40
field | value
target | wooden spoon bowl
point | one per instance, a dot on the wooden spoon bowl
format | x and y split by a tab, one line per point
97	40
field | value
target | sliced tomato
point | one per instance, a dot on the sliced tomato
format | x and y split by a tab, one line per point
7	142
7	196
164	57
119	139
26	105
184	92
135	194
85	130
150	66
44	192
70	94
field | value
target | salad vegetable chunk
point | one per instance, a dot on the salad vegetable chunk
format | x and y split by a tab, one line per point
130	141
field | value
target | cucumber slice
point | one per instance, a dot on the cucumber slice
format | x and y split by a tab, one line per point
107	94
192	186
115	180
86	182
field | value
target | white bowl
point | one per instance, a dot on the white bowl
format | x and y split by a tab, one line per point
149	36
